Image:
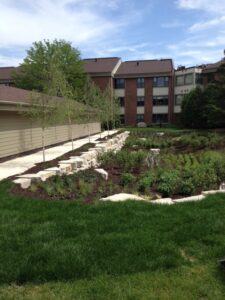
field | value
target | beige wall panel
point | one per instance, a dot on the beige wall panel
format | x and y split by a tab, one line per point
18	134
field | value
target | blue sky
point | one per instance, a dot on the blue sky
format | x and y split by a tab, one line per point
189	31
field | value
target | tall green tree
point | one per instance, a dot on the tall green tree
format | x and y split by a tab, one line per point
69	111
34	72
193	109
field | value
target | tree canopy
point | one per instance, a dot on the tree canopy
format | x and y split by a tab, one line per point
205	108
35	71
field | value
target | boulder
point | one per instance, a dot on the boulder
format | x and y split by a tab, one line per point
24	182
222	186
65	168
122	197
104	173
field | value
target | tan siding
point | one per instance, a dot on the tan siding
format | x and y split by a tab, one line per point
18	134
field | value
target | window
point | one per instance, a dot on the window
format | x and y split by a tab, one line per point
160	118
179	99
180	80
119	83
140	101
160	100
140	83
140	118
122	119
185	79
161	81
188	79
198	78
121	101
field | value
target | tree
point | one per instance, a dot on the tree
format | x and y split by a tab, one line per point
43	110
35	69
69	110
90	99
193	109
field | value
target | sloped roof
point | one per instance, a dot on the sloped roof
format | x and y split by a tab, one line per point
100	65
208	68
145	67
6	73
12	94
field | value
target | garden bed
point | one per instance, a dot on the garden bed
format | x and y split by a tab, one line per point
188	163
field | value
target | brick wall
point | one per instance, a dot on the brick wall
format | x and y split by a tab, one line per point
103	82
148	100
130	101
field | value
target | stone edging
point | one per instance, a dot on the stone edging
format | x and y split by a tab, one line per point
75	164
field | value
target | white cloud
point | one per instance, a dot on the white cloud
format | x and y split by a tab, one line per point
207	24
211	6
49	19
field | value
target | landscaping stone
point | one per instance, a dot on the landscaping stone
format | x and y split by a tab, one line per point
141	125
79	161
69	162
122	197
56	170
189	199
222	186
160	133
32	177
46	174
24	182
104	173
65	168
167	201
212	192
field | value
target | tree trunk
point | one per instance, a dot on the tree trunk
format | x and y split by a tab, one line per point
43	143
71	133
107	124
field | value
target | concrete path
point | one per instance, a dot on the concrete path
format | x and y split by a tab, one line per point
21	164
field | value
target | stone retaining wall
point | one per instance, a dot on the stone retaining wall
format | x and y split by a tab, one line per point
75	164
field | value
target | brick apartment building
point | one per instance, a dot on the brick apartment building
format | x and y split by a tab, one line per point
144	87
149	91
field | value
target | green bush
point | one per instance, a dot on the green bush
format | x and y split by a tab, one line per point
168	182
146	182
127	179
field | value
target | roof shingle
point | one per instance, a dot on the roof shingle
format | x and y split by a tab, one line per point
6	73
100	65
145	67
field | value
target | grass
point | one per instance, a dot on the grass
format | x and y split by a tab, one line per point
68	250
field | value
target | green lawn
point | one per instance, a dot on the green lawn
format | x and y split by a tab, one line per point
67	250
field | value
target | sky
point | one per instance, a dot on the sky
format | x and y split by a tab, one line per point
188	31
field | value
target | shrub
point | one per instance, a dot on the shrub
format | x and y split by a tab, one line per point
146	182
127	179
168	182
